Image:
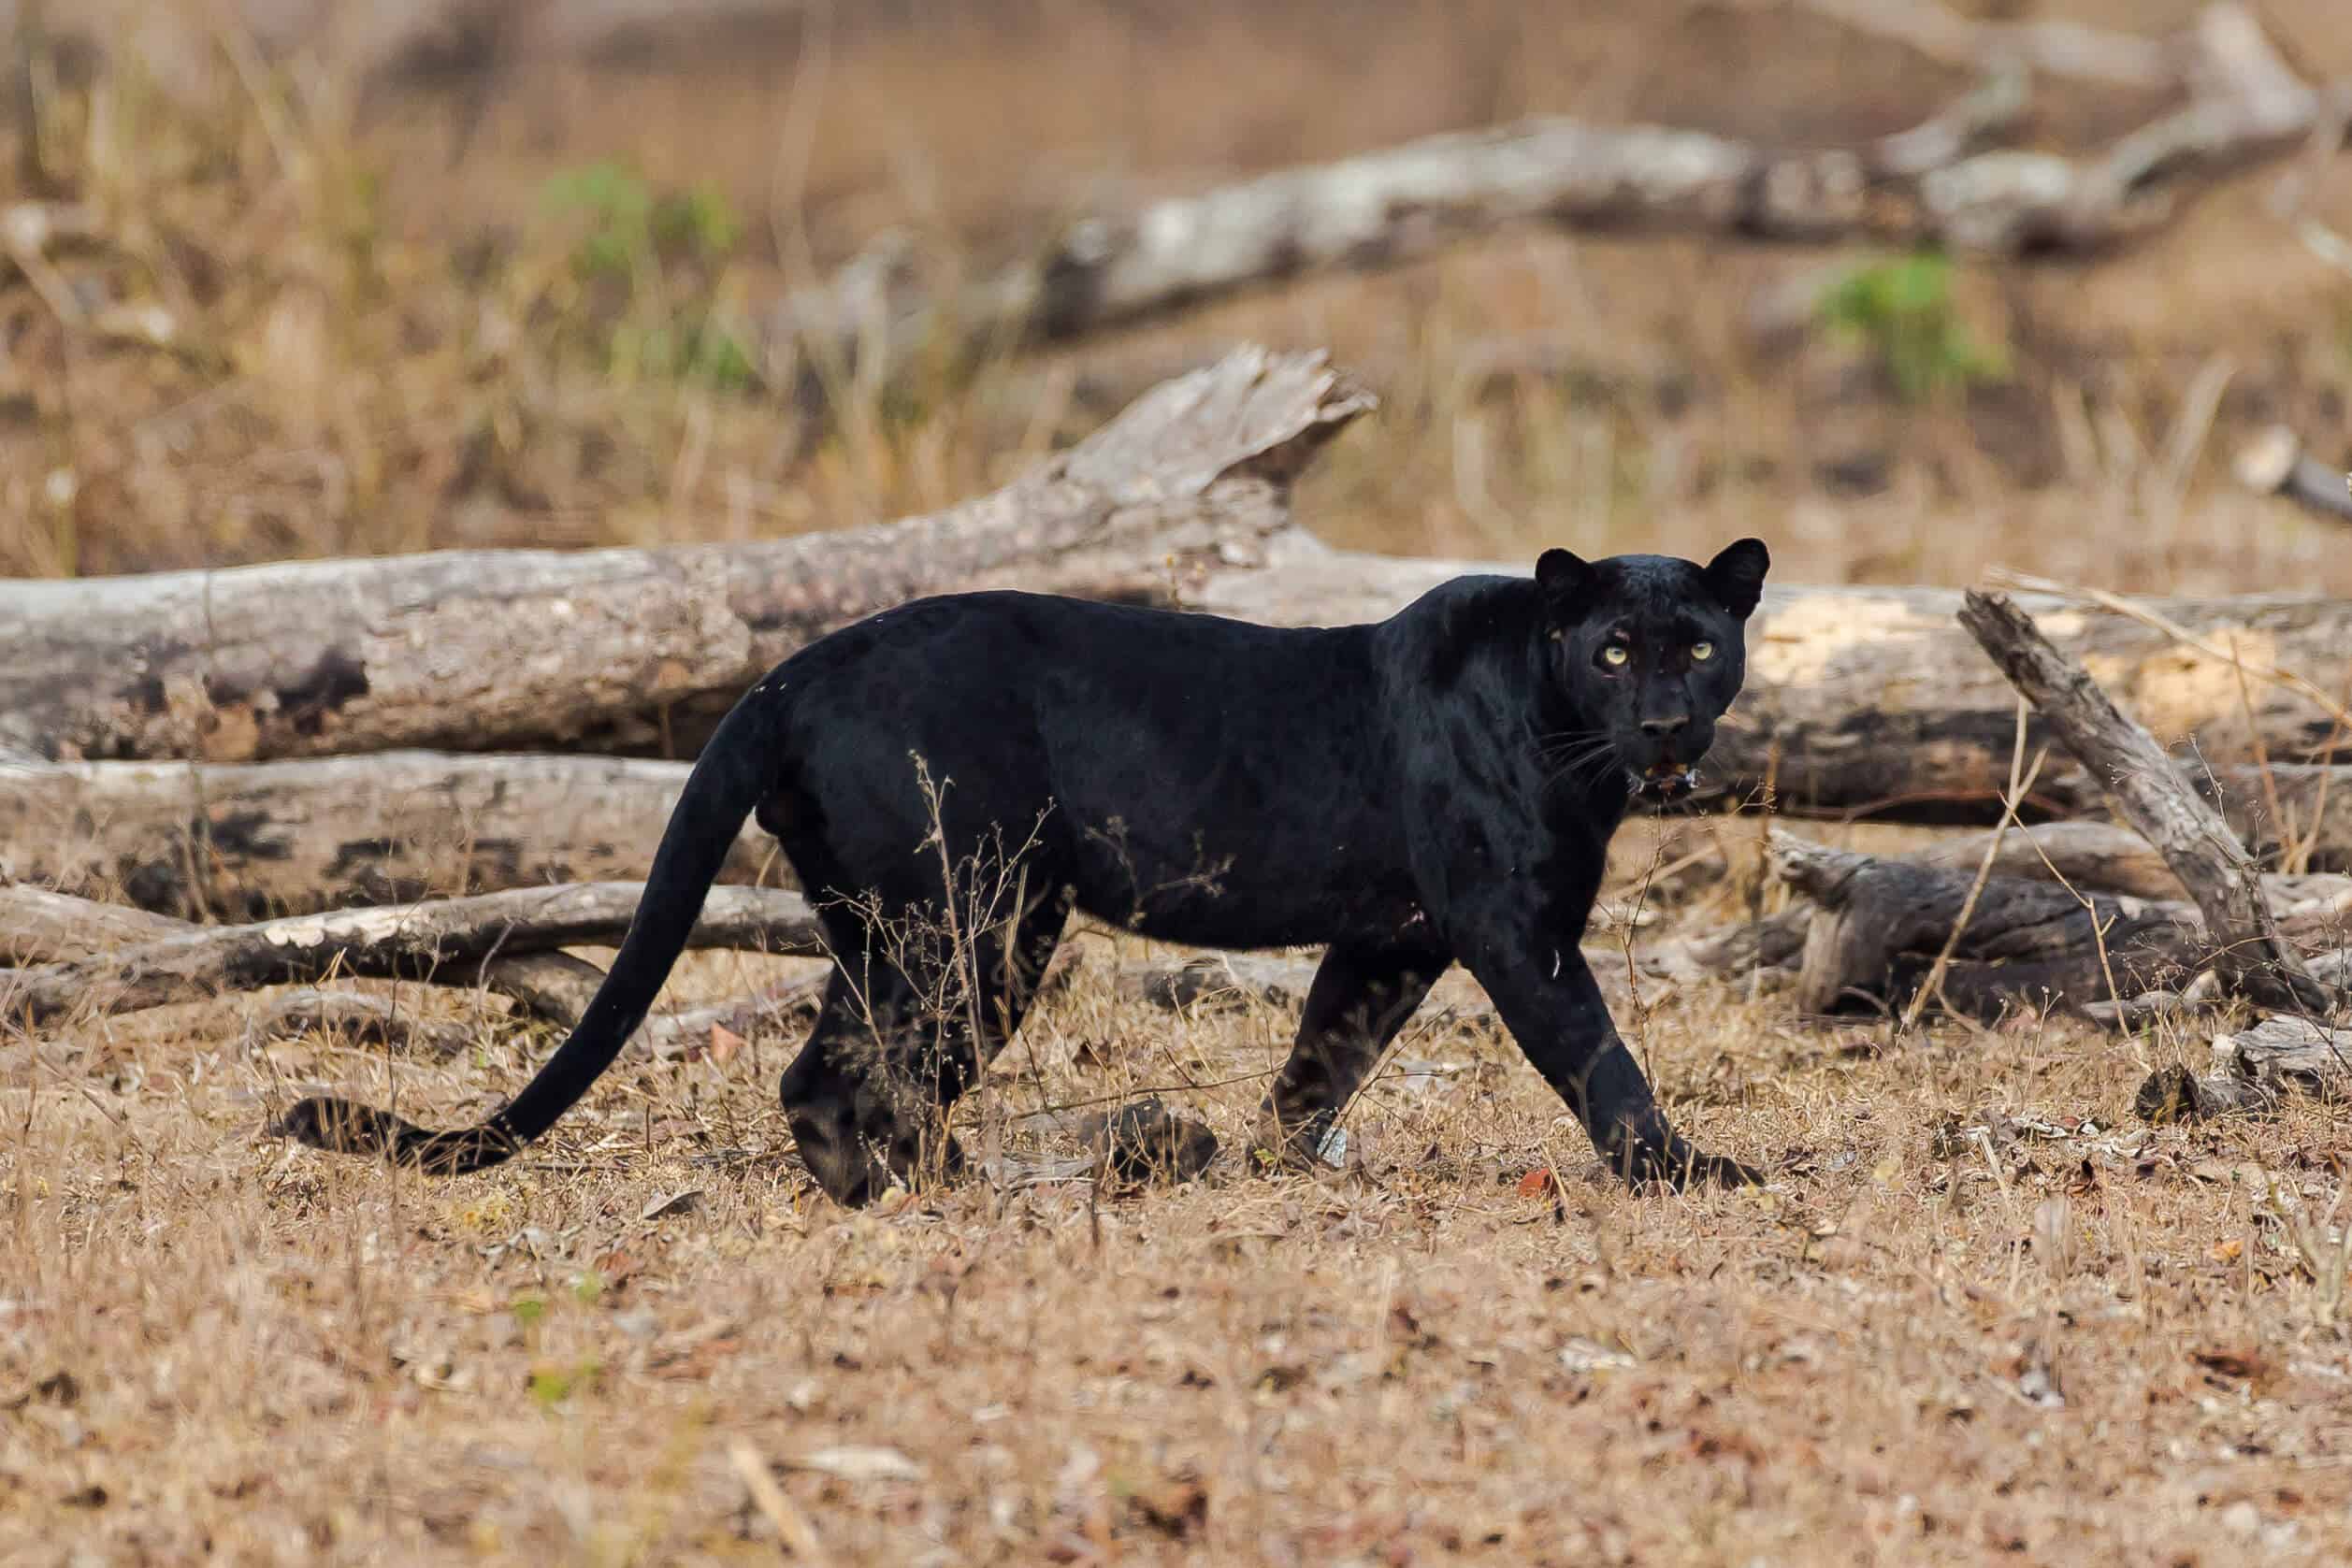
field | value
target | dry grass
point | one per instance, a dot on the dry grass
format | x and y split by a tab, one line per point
2072	1341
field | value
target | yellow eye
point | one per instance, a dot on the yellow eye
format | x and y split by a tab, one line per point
1702	652
1616	655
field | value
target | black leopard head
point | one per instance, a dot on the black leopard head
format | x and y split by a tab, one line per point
1646	651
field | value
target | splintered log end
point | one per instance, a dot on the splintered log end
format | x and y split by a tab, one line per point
2274	463
1255	413
2266	463
1817	870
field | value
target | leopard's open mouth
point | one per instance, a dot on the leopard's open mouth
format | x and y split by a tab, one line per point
1665	781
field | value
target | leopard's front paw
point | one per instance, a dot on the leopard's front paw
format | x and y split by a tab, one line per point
1278	1146
1679	1167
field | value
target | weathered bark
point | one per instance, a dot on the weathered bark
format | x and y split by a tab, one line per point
41	927
414	942
1222	980
2253	958
251	841
38	926
2093	857
1878	923
479	649
1875	698
2047	48
2106	858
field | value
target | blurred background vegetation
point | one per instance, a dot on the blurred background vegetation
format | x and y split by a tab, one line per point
355	278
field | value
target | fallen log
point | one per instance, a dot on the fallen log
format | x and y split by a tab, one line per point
40	926
442	939
2106	857
2048	48
253	841
1379	208
2252	957
622	649
249	840
2093	857
1878	924
1931	184
1874	701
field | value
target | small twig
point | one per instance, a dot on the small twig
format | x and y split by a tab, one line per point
1933	986
798	1535
2261	749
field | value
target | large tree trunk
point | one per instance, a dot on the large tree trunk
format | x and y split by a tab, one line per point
1875	698
251	841
614	648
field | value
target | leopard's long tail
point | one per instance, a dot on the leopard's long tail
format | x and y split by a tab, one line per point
736	768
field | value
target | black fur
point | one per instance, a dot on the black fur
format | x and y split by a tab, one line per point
1438	787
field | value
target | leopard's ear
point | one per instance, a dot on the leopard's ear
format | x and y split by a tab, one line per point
1561	576
1735	575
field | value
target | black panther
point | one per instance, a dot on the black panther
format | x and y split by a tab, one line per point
1438	787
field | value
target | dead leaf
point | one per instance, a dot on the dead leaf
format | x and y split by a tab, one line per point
684	1200
725	1043
2226	1251
1539	1182
1583	1355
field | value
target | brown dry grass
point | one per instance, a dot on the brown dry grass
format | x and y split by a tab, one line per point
2094	1343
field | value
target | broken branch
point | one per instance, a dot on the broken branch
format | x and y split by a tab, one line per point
2252	957
407	941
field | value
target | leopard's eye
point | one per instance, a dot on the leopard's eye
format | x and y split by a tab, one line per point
1702	652
1616	655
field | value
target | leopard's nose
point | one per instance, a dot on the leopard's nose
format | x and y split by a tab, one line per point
1664	726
